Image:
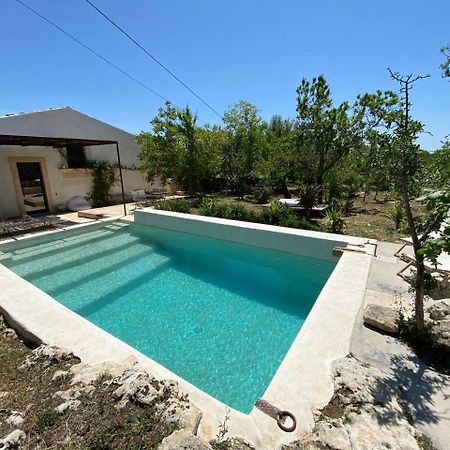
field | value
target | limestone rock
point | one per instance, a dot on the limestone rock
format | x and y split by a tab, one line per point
12	417
440	310
381	317
442	331
60	375
135	386
183	440
88	374
69	405
187	415
364	413
76	392
46	355
14	440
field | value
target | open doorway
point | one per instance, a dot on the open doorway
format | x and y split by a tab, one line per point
33	188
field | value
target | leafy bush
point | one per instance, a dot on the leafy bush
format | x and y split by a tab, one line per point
347	206
175	205
262	195
397	215
391	195
46	419
103	178
334	221
274	213
425	344
430	284
279	214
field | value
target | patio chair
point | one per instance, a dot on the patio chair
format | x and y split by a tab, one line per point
139	197
406	253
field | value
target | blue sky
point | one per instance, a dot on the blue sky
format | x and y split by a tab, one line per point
227	50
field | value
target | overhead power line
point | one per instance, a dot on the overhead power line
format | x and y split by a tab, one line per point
153	58
98	55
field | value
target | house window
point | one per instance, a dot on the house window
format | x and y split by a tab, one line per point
76	157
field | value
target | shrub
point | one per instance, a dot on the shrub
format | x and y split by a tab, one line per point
430	284
103	178
390	195
175	205
397	215
347	206
334	221
293	221
425	344
274	213
226	210
262	195
46	419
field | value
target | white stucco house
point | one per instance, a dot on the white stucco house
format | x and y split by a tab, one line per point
41	178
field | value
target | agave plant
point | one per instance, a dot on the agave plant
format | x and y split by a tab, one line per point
274	212
308	197
334	221
397	215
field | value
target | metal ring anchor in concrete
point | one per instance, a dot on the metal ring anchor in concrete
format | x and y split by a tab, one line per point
281	419
279	415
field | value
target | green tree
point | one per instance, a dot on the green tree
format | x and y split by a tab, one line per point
445	66
281	163
178	149
325	133
392	141
245	147
439	166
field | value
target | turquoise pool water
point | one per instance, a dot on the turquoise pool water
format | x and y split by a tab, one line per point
218	314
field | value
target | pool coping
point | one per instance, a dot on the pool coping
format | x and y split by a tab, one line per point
305	370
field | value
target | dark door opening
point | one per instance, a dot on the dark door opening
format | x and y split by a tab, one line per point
33	189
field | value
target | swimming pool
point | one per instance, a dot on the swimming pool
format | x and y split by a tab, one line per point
219	314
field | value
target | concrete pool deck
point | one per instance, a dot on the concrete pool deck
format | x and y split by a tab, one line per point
303	380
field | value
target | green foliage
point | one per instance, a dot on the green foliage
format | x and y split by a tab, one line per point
179	150
245	147
274	214
308	195
226	210
262	195
347	206
445	66
438	167
326	134
103	178
175	205
431	284
425	343
391	195
45	419
397	215
437	222
334	221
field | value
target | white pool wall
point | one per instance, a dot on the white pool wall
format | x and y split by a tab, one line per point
311	244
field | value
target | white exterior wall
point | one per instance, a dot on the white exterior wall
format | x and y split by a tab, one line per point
63	184
68	123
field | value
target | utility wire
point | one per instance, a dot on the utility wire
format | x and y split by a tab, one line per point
107	61
153	57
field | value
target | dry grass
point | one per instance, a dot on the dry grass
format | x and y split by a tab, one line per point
96	424
370	220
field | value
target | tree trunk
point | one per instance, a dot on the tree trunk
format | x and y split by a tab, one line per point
286	193
420	282
420	268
